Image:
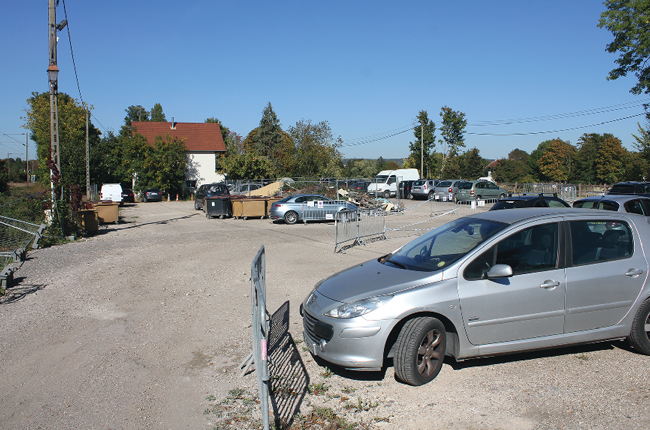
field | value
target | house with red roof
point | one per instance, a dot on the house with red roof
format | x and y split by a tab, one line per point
204	142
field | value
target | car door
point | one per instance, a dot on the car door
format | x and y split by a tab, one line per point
528	304
606	274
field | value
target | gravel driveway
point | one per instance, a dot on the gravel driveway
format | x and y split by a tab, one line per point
144	326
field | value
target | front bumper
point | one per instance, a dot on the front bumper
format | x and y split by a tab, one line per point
354	344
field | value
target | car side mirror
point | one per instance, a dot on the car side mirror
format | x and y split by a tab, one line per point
499	271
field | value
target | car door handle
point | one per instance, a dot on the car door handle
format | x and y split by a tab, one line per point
633	273
549	284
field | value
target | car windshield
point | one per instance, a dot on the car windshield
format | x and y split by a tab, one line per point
381	179
443	246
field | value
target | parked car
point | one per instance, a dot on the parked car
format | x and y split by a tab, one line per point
206	191
152	195
639	188
423	188
128	196
479	190
405	189
491	283
530	201
311	207
112	192
632	203
447	189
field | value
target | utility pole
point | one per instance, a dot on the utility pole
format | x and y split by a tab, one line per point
87	157
53	77
421	150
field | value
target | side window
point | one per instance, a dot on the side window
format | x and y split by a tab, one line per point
391	180
634	206
597	241
555	204
531	250
646	206
540	203
301	199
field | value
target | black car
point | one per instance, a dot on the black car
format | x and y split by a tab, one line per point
543	200
638	188
209	190
152	195
128	196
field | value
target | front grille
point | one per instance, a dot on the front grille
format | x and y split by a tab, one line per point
316	329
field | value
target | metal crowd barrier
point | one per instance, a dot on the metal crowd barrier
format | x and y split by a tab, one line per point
351	228
15	237
260	329
320	210
566	192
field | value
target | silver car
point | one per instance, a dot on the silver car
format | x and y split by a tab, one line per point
491	283
480	190
448	189
630	203
308	207
423	188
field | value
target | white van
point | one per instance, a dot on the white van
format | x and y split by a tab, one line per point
111	192
385	184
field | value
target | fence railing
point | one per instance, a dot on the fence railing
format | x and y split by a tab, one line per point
15	237
351	228
260	333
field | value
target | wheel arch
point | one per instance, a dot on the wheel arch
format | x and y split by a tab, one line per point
453	344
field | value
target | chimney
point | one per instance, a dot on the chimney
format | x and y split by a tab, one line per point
173	124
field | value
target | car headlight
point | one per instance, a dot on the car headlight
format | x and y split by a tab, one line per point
358	308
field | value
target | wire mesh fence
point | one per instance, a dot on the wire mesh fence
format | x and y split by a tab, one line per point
15	237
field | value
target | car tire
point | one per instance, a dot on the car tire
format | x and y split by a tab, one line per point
479	197
196	205
145	200
411	196
387	194
291	217
431	195
502	196
420	350
640	334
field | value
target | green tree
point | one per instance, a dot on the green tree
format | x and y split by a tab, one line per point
133	113
72	137
452	130
515	168
167	165
472	165
157	114
629	22
316	149
533	160
362	168
246	165
642	142
270	138
423	145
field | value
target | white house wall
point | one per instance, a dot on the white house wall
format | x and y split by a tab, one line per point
202	168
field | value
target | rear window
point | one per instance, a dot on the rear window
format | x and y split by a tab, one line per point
416	183
622	189
510	204
466	185
445	184
602	204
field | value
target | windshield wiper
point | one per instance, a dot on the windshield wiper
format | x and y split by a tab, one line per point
395	263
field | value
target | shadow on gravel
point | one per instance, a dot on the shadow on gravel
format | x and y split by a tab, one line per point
289	378
534	355
135	224
18	292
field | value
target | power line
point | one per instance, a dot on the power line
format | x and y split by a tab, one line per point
74	64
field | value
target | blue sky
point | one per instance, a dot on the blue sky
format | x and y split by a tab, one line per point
366	67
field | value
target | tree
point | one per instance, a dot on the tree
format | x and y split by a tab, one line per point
246	165
556	163
157	114
270	137
609	161
453	132
515	168
316	149
168	164
629	22
642	142
72	137
133	113
423	145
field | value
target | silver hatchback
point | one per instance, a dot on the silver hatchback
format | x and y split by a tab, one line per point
492	283
447	190
423	189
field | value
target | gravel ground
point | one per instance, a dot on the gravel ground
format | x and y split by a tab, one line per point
144	326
